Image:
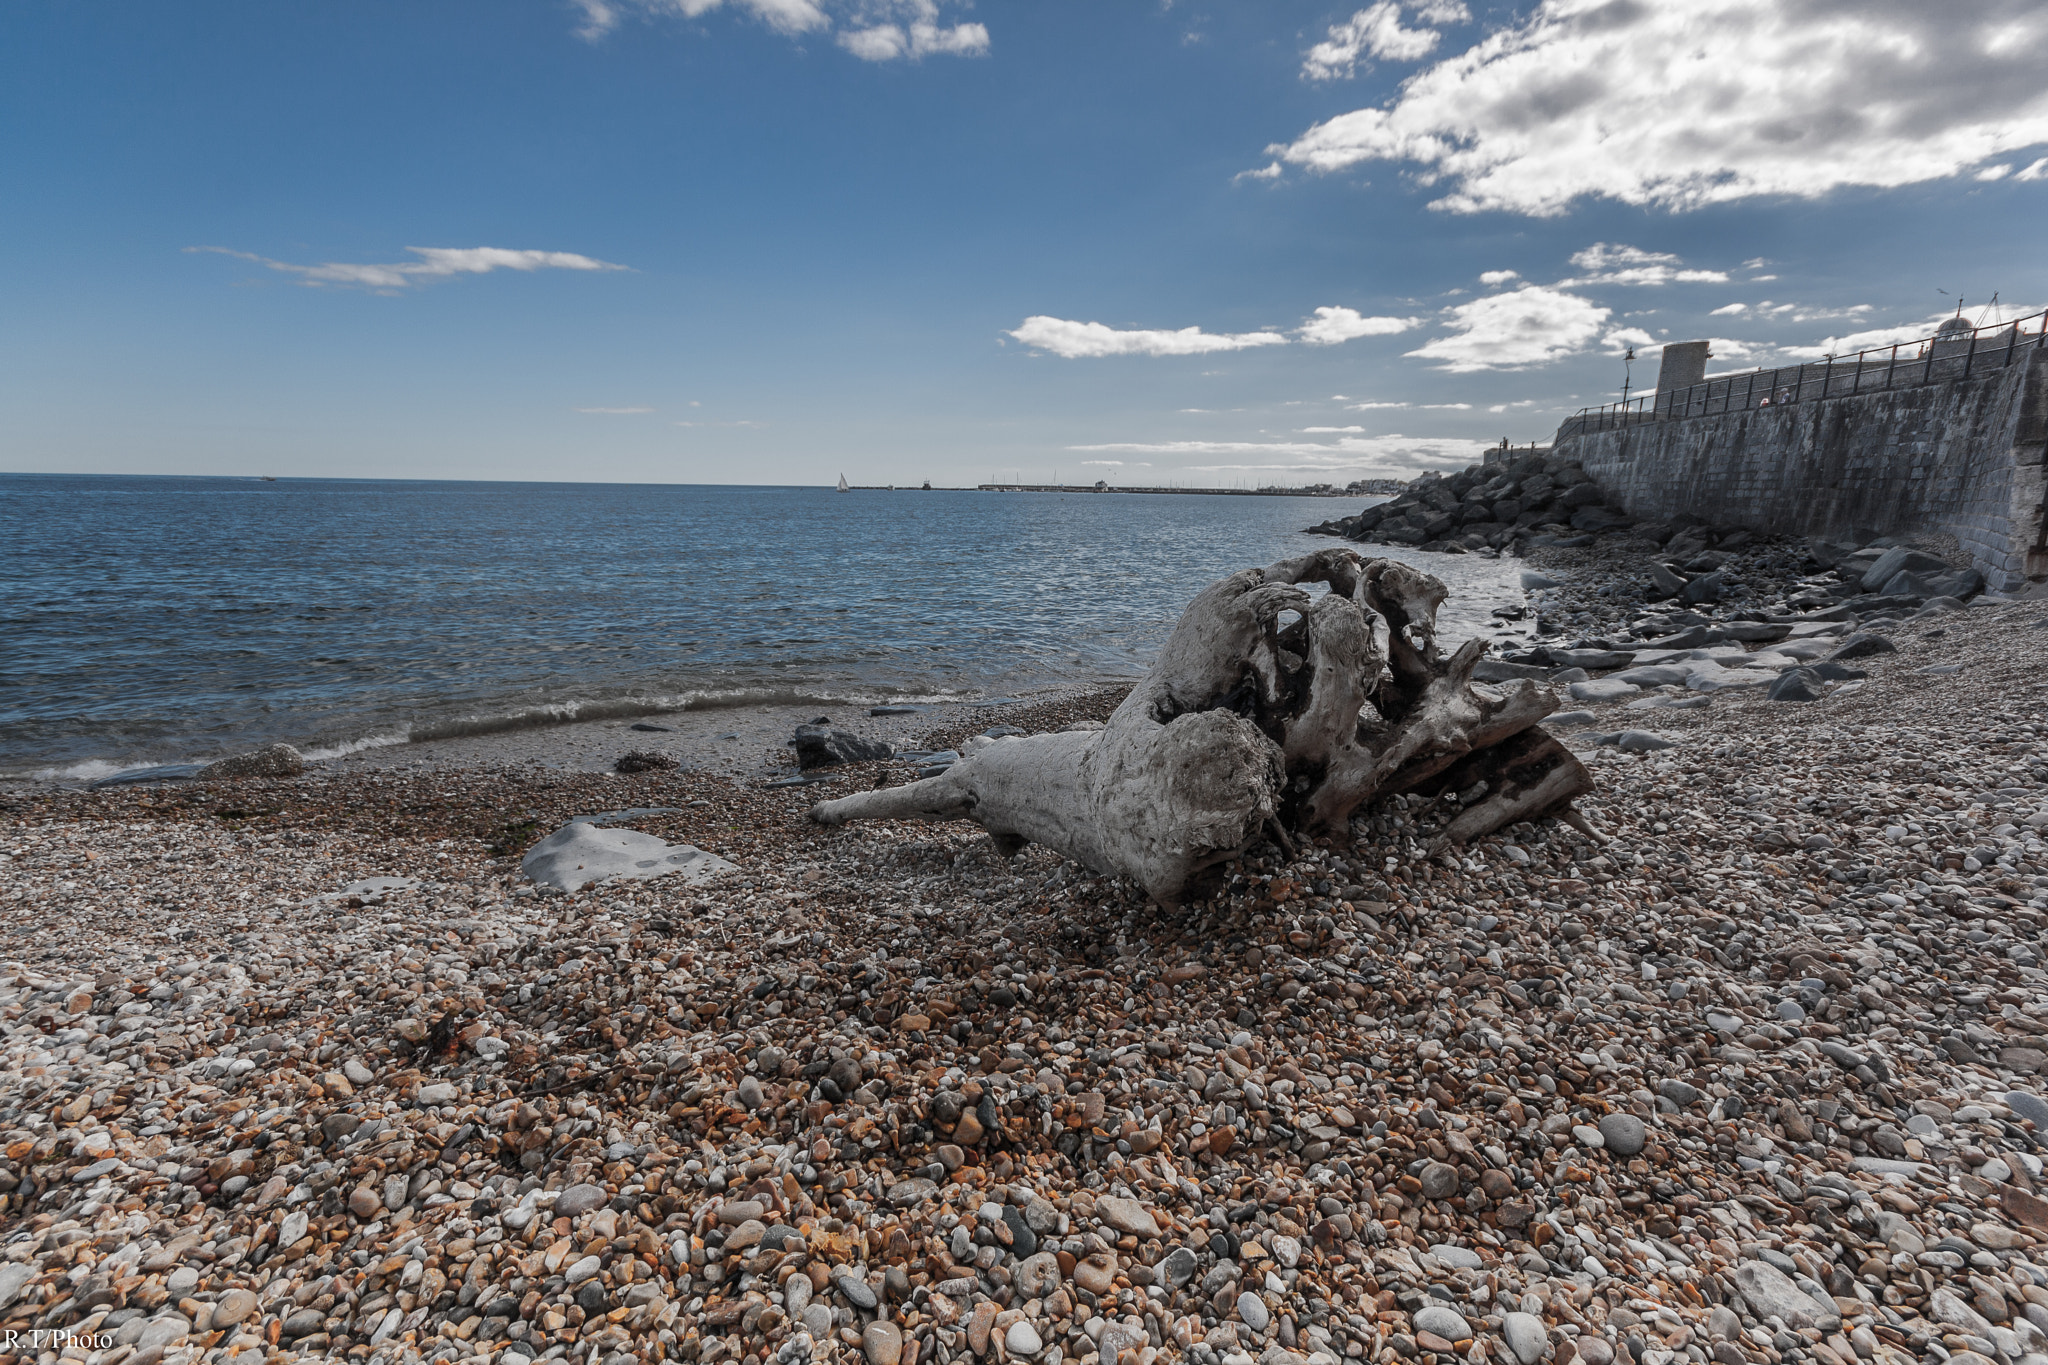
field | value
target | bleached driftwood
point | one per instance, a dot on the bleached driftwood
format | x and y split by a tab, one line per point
1252	724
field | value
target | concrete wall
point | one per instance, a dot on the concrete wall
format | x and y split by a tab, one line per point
1963	457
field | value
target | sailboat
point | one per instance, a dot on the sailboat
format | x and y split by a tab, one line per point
843	485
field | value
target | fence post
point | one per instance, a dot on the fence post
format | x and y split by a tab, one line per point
1799	383
2012	341
1970	355
1827	375
1893	366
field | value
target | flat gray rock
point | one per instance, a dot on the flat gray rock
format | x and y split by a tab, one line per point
2028	1106
1653	675
1770	1292
1604	689
578	854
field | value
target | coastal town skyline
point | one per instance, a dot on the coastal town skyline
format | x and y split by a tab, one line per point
771	241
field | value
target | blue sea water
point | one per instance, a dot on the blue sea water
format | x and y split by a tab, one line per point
147	619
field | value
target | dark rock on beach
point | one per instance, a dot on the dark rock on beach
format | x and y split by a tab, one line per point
825	746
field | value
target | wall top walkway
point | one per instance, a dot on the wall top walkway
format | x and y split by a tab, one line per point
1954	352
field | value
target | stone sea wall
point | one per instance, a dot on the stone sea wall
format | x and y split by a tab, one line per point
1963	457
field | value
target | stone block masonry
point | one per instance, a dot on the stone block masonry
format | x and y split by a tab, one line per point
1964	457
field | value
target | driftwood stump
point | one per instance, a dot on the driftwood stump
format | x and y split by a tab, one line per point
1268	713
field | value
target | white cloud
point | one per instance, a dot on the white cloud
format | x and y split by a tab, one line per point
1621	338
918	39
787	16
1723	348
1092	340
2037	171
1377	32
1631	265
435	262
1493	277
1333	325
872	30
1446	407
1331	431
1728	310
1526	326
615	412
1682	105
1369	405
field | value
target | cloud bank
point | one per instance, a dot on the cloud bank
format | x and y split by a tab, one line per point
1684	105
872	30
435	262
1532	325
1091	340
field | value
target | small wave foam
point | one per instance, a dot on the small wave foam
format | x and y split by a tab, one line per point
91	770
322	752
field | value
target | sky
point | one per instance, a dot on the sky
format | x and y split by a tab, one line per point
1205	242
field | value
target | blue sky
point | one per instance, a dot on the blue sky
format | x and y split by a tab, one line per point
768	241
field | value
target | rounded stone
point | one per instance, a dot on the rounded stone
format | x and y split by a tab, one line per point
581	1199
166	1328
1022	1339
1439	1180
303	1323
364	1201
1447	1323
233	1307
1623	1133
1526	1337
882	1342
586	1269
1251	1311
1037	1276
855	1289
1097	1274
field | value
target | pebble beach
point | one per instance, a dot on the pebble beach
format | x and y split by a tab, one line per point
308	1068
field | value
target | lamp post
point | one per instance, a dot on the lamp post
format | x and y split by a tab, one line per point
1628	360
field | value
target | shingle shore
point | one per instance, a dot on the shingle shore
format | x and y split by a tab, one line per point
1752	1082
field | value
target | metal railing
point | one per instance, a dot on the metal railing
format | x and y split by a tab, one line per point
1948	355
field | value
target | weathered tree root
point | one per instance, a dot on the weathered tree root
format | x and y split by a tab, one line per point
1249	723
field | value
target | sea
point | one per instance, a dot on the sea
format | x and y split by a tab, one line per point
149	620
